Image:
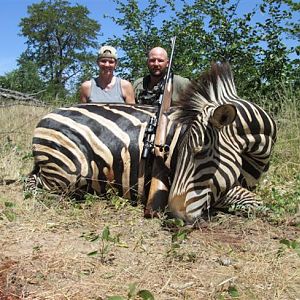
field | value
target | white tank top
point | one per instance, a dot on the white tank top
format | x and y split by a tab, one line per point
114	95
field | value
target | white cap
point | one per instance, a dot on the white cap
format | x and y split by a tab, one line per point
107	52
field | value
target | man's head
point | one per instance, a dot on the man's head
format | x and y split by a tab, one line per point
157	61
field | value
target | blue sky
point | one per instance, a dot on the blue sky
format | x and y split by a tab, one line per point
12	45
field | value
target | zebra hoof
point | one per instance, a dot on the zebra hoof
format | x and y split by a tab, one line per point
149	213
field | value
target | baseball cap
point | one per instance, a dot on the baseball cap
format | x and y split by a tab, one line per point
107	52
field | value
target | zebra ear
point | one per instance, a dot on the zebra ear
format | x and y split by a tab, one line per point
223	115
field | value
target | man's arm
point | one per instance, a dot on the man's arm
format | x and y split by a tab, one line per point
137	88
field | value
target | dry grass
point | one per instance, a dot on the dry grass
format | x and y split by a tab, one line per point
47	247
46	241
16	127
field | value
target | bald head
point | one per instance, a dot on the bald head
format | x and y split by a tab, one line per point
158	51
157	62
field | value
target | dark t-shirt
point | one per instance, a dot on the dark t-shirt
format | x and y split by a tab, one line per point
143	95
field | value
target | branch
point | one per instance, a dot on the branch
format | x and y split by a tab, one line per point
15	95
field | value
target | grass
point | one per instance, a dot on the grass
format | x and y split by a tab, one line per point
280	187
55	248
17	124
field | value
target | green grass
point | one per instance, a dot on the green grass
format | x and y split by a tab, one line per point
280	187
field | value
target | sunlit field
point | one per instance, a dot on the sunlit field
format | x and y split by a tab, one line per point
55	248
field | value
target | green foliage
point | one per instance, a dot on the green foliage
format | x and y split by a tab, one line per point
115	200
255	41
25	79
7	210
180	234
233	292
213	31
90	199
106	239
134	293
280	189
58	38
285	202
140	34
291	244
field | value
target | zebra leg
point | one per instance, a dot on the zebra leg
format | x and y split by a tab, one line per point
159	189
32	182
240	199
72	186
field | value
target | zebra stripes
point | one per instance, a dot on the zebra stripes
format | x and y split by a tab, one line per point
85	147
219	147
226	148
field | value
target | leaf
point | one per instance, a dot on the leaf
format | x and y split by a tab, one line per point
105	249
27	194
116	298
179	222
10	215
262	9
132	290
285	242
233	292
105	233
9	204
181	236
95	238
122	245
295	245
93	253
145	295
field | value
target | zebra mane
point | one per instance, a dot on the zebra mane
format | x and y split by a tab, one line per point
212	87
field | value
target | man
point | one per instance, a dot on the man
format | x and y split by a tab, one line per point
107	88
147	89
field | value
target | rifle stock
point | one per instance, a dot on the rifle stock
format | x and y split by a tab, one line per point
159	188
161	130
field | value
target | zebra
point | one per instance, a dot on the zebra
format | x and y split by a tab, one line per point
225	150
219	146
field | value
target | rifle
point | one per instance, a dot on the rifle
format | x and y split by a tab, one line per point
156	125
159	189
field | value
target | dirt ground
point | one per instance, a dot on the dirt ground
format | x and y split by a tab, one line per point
59	250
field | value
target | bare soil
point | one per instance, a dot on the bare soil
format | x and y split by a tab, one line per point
49	250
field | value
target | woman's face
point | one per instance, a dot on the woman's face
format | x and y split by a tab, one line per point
107	64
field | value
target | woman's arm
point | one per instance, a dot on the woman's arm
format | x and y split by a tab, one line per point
85	91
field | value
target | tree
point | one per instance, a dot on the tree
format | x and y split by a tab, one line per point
25	78
140	34
273	60
59	39
210	31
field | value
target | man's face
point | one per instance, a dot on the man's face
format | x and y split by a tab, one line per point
157	63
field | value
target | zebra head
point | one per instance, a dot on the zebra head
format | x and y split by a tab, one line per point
204	169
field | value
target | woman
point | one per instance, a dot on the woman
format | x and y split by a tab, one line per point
107	88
